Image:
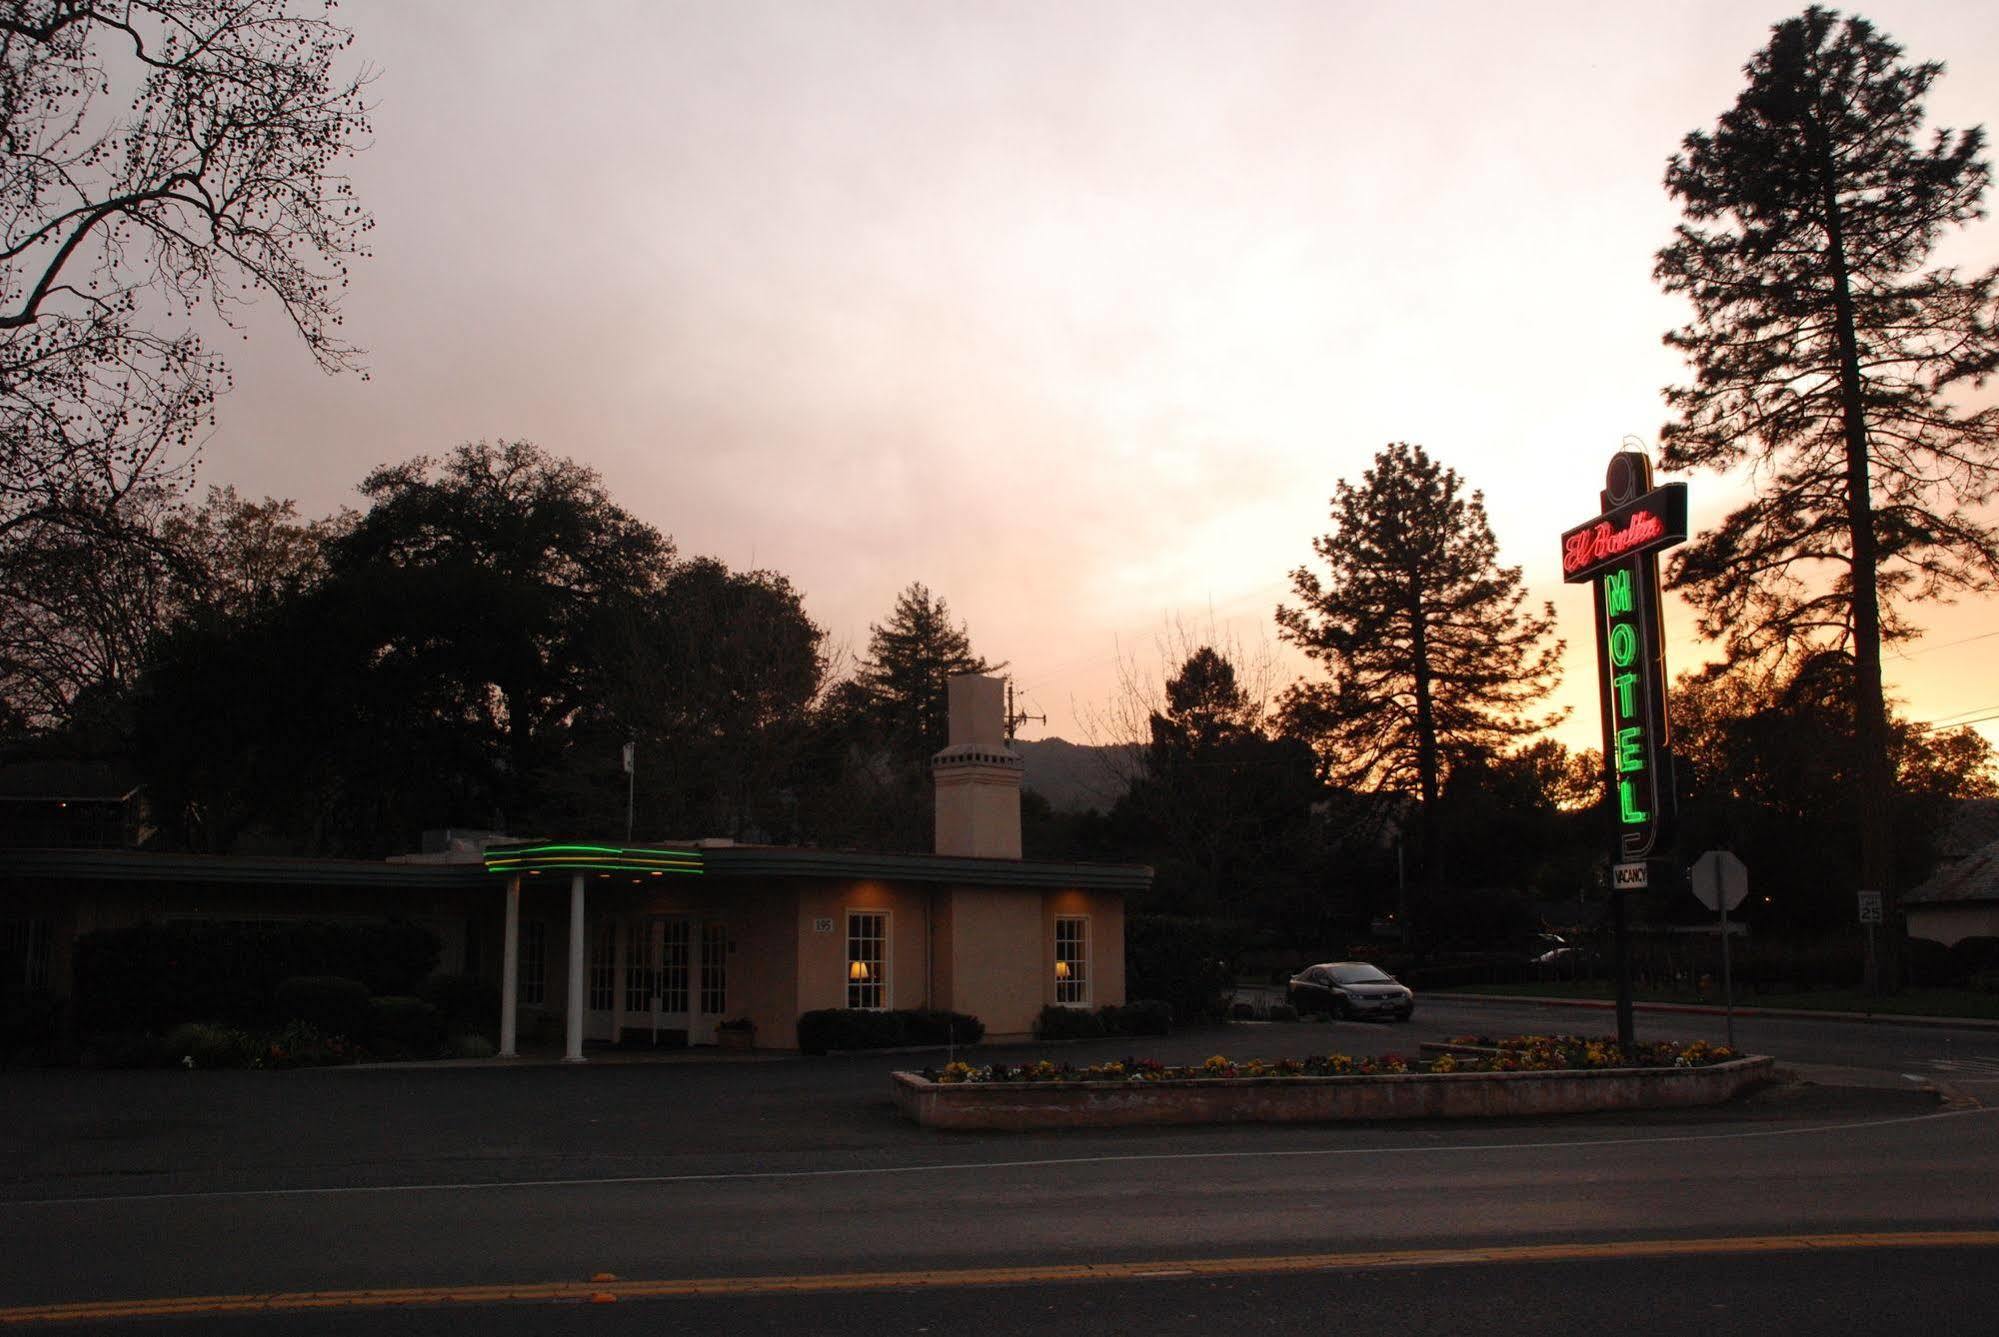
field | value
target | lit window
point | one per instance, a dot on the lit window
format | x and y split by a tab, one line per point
1072	960
867	958
534	962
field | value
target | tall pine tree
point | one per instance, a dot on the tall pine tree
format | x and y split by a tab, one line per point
1825	356
1431	651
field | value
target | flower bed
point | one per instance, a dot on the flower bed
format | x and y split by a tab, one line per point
1521	1076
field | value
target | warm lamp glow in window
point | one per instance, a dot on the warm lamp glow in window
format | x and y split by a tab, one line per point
1072	960
857	970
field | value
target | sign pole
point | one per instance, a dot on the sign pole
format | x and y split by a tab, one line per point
1727	981
1617	552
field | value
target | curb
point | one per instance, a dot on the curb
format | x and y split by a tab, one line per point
1713	1010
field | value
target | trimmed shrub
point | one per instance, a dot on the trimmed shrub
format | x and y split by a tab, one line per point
298	1045
149	977
1068	1023
404	1027
1929	962
31	1030
1973	956
471	1046
329	1004
468	1004
1144	1016
1181	960
927	1027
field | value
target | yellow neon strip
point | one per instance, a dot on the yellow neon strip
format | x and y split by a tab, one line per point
608	1290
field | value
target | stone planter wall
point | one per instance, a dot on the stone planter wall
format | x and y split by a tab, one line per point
1021	1106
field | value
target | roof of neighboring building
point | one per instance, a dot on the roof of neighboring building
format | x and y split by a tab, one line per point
1975	877
1973	824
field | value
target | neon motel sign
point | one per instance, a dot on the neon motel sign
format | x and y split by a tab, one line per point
1618	553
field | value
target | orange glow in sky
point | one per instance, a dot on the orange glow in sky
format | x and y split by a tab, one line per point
1075	313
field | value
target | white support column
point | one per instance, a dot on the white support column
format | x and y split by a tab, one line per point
510	972
574	1052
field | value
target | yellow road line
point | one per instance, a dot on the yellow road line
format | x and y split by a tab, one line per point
609	1290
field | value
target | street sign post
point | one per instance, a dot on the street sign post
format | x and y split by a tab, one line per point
1721	882
1617	552
1870	915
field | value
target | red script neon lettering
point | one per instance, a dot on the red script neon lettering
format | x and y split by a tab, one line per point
1600	541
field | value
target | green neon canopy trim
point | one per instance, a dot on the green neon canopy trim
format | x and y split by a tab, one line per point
576	857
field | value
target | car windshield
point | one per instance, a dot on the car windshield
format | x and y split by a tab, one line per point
1358	972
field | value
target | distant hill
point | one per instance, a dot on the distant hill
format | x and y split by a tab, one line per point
1072	776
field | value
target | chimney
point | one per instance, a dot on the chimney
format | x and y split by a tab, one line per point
978	775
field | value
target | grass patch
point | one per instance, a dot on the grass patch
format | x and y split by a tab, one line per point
1969	1003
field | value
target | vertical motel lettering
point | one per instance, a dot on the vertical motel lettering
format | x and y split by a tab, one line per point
1620	612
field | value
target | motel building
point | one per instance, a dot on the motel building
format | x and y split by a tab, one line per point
595	941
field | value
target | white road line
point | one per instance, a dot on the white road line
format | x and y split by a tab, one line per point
860	1172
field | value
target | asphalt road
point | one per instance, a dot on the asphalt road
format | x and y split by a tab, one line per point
132	1186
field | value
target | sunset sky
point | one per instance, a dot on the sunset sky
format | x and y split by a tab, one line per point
1075	312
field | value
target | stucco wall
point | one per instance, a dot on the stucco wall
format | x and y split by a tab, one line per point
822	957
999	958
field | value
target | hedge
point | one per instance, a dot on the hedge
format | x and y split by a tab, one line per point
329	1004
150	977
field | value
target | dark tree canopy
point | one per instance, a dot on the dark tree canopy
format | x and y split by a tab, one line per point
1767	760
1431	651
217	183
433	676
876	732
907	671
1222	807
713	679
1827	356
84	605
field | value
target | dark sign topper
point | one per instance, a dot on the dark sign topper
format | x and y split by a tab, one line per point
1618	553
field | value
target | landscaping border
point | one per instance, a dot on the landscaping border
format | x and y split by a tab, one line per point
1027	1106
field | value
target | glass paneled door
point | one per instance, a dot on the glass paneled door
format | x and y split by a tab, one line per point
675	978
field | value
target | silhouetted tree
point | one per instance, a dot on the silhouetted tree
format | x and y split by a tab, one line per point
217	183
433	676
1223	808
878	731
905	675
1824	353
1767	760
1431	651
714	679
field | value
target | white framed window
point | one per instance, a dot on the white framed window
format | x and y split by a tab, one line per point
867	959
534	962
714	969
24	954
639	975
1072	960
673	969
604	967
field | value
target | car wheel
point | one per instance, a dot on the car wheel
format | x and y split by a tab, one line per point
1404	1016
1341	1010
